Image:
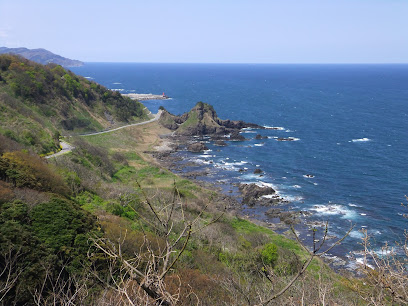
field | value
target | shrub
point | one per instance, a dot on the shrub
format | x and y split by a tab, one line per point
269	254
58	222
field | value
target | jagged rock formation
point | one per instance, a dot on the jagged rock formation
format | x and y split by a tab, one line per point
203	120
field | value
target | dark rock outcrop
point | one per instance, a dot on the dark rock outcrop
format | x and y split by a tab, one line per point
285	139
197	147
287	217
220	143
252	192
259	136
169	121
235	135
257	171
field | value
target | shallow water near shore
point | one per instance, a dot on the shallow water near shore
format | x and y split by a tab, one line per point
347	161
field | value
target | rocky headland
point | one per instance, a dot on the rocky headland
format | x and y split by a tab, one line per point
203	120
202	123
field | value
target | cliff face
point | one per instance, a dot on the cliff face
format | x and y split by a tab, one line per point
42	56
202	120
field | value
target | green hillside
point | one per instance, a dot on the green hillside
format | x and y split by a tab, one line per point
38	103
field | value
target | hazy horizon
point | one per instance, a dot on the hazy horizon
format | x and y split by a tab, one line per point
264	32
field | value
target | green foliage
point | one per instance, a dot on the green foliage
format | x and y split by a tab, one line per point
89	199
48	239
58	222
269	254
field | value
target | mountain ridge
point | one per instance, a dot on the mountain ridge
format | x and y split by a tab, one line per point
42	56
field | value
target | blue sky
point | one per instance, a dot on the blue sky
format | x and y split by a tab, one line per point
211	31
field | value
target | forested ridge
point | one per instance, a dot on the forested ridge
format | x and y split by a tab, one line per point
106	225
39	103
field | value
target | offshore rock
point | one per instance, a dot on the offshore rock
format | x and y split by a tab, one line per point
252	192
197	147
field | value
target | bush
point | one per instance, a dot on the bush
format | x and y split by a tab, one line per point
58	222
269	254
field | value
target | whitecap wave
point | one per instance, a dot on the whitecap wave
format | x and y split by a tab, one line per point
202	161
206	156
279	128
269	196
356	234
259	144
297	186
292	198
286	139
249	178
118	89
360	262
334	209
361	139
89	78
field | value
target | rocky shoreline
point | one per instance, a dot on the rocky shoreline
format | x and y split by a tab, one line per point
188	134
244	200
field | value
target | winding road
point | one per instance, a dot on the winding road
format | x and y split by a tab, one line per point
66	147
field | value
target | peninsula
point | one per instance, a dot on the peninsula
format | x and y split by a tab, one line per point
144	97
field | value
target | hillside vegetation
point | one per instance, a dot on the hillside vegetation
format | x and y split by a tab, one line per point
106	225
39	103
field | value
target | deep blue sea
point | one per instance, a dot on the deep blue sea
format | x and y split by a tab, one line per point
349	122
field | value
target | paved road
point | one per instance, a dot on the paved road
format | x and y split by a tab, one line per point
66	147
156	117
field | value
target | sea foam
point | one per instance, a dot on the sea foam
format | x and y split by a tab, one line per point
361	139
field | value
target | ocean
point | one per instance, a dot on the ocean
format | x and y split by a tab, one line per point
347	162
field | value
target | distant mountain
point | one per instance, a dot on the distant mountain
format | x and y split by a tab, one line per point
42	56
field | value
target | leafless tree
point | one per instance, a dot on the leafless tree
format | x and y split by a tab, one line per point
386	274
58	289
315	252
9	270
141	278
